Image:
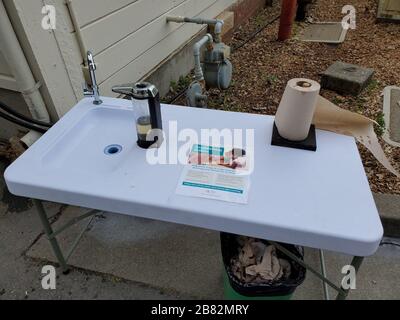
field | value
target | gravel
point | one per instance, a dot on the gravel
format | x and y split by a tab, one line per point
263	67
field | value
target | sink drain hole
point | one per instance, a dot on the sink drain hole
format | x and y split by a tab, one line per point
113	150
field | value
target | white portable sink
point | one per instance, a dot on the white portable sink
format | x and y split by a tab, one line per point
317	199
88	149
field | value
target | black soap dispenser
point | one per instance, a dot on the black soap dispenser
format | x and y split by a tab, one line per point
148	118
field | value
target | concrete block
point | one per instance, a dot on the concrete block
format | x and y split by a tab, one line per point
391	111
389	11
346	78
325	32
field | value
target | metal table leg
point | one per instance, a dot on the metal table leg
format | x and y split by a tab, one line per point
324	273
49	233
356	263
52	235
343	293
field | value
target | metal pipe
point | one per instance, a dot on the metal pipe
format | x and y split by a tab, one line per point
356	263
198	71
78	32
288	13
218	31
73	222
49	231
305	265
21	70
324	273
77	240
30	138
217	23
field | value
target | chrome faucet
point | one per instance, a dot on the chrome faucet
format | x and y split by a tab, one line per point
94	92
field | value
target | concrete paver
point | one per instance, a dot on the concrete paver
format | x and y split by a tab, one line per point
346	78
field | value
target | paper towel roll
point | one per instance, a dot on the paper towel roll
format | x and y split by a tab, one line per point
297	108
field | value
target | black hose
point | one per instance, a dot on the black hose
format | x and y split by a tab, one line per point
389	243
256	33
22	123
23	117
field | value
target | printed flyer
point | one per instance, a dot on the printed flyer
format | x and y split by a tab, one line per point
216	173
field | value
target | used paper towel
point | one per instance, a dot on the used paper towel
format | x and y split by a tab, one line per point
302	106
330	117
296	110
259	263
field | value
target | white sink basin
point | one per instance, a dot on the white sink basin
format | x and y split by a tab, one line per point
89	148
317	199
99	142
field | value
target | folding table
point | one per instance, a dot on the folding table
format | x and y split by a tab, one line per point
317	199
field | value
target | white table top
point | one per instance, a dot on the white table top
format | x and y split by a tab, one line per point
316	199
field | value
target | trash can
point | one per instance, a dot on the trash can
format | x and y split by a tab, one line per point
236	289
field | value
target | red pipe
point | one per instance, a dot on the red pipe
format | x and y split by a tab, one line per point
289	8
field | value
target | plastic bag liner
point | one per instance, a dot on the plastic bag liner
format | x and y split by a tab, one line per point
230	249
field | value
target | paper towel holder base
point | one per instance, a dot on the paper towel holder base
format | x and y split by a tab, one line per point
309	144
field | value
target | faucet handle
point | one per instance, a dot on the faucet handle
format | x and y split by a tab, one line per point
87	92
125	89
140	90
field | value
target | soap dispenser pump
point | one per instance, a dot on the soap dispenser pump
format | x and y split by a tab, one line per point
148	118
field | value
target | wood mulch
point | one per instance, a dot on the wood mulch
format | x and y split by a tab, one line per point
263	66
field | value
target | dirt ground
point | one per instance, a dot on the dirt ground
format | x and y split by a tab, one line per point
263	66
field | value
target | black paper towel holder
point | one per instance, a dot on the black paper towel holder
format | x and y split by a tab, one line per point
309	144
